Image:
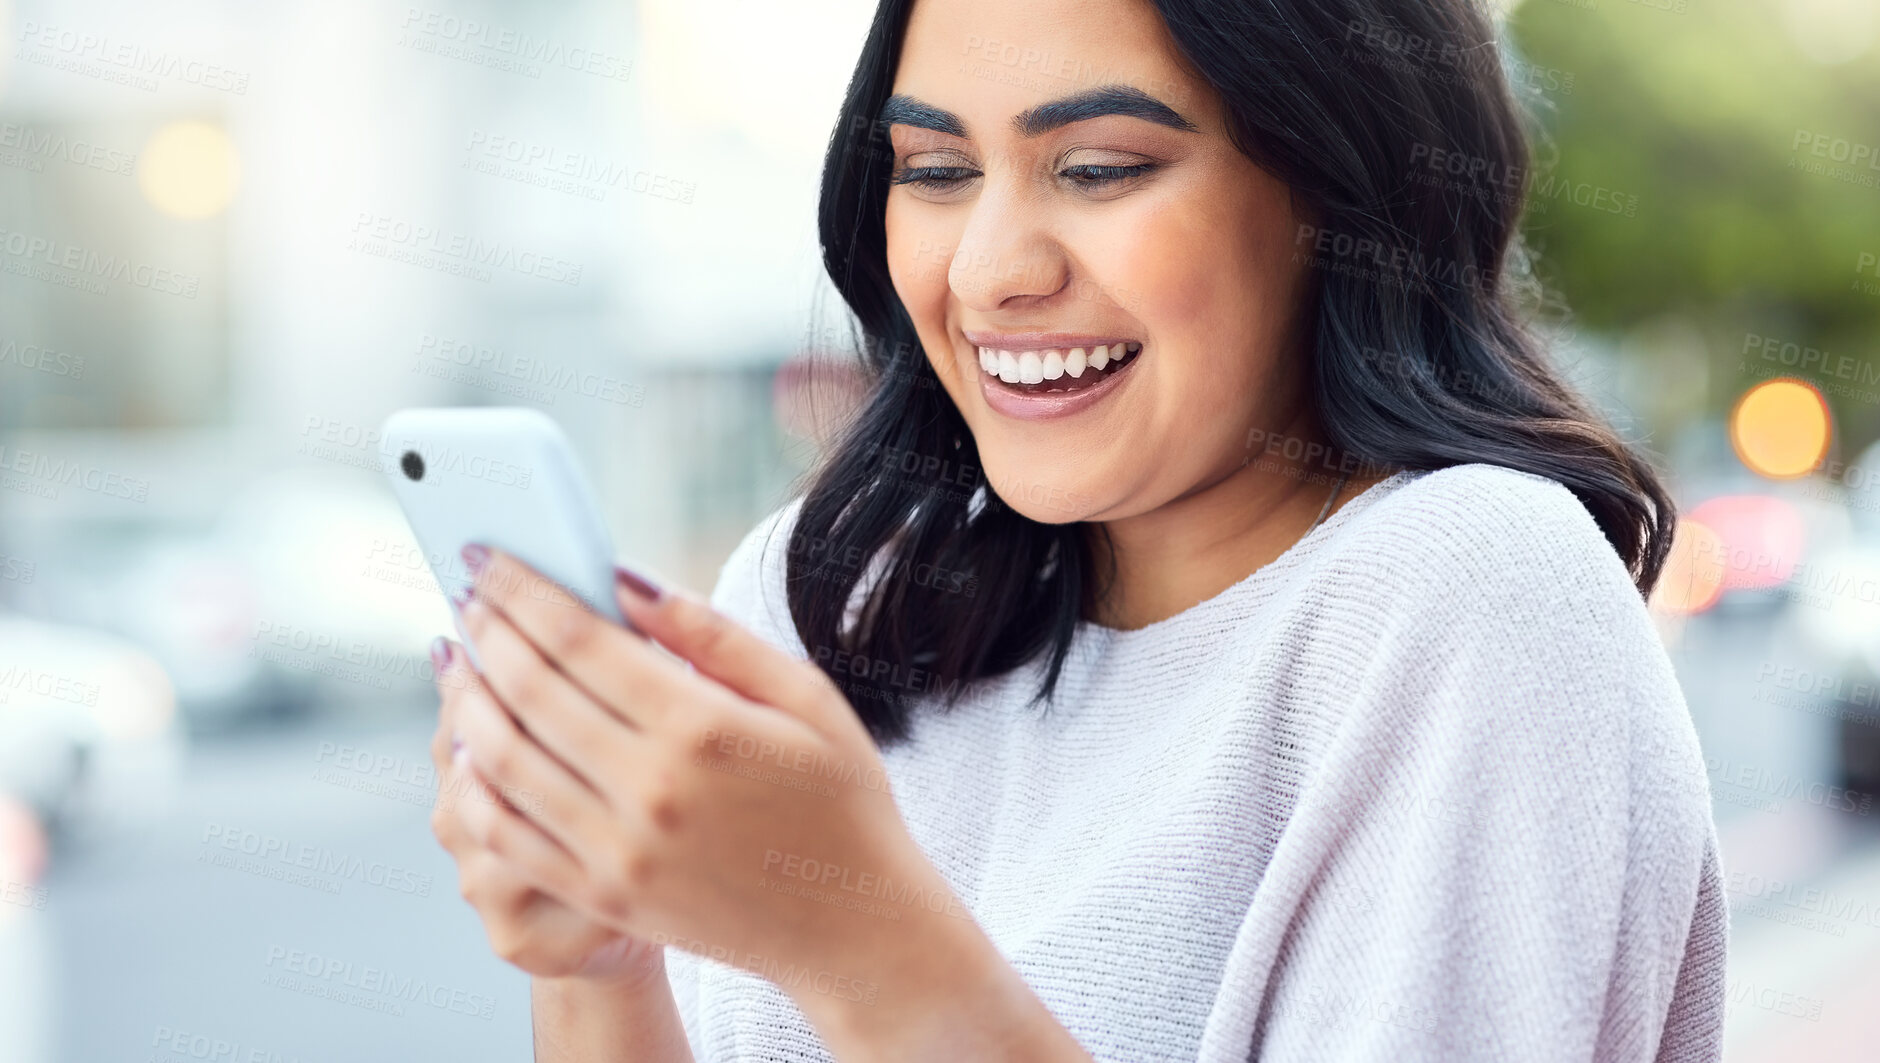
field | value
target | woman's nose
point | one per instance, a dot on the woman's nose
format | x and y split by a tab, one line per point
1005	257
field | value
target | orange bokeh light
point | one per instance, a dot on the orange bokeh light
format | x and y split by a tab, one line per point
1781	428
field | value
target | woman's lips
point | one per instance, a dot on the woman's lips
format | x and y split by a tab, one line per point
1042	383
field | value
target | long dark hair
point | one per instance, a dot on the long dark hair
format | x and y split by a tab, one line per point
908	578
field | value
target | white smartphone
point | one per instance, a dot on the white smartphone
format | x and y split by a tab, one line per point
504	477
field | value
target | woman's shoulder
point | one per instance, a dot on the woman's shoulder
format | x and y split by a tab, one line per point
1498	535
1485	595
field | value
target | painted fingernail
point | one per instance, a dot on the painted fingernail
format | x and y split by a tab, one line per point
440	653
460	756
637	585
461	596
456	743
475	556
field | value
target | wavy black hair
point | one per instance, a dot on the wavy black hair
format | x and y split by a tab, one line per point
909	579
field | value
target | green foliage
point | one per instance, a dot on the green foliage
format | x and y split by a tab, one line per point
1698	114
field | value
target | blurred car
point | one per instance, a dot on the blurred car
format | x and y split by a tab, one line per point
88	726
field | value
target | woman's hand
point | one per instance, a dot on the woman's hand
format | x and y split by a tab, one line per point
736	808
526	927
726	800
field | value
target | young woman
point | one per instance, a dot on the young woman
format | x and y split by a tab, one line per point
1219	636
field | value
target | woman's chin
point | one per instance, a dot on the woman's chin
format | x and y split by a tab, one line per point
1045	500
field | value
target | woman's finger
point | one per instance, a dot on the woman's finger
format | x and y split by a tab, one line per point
562	717
726	651
490	824
548	795
445	656
618	668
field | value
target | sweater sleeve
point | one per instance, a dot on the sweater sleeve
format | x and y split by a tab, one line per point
1504	849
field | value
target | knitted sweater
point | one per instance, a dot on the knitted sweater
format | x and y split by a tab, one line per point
1422	788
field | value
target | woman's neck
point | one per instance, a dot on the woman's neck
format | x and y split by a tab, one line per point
1192	548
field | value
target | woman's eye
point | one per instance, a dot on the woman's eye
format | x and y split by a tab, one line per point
1102	175
934	178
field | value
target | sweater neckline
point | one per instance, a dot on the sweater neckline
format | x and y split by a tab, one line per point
1261	580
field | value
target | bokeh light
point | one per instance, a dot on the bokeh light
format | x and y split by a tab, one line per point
1692	580
189	170
1760	539
1781	428
1831	32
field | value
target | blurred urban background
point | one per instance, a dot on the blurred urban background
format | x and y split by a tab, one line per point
234	236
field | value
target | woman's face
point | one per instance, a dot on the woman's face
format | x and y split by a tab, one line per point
1104	284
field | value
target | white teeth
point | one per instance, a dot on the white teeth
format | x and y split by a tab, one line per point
1008	367
1030	368
1035	367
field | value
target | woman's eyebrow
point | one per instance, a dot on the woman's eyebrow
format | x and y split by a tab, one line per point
1096	103
906	110
901	109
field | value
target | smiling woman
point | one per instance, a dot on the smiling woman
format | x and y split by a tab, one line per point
1290	692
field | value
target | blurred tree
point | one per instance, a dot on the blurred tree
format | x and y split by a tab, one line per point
1711	116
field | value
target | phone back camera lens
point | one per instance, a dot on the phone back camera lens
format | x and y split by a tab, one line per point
412	464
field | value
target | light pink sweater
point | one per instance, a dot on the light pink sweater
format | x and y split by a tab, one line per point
1423	788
